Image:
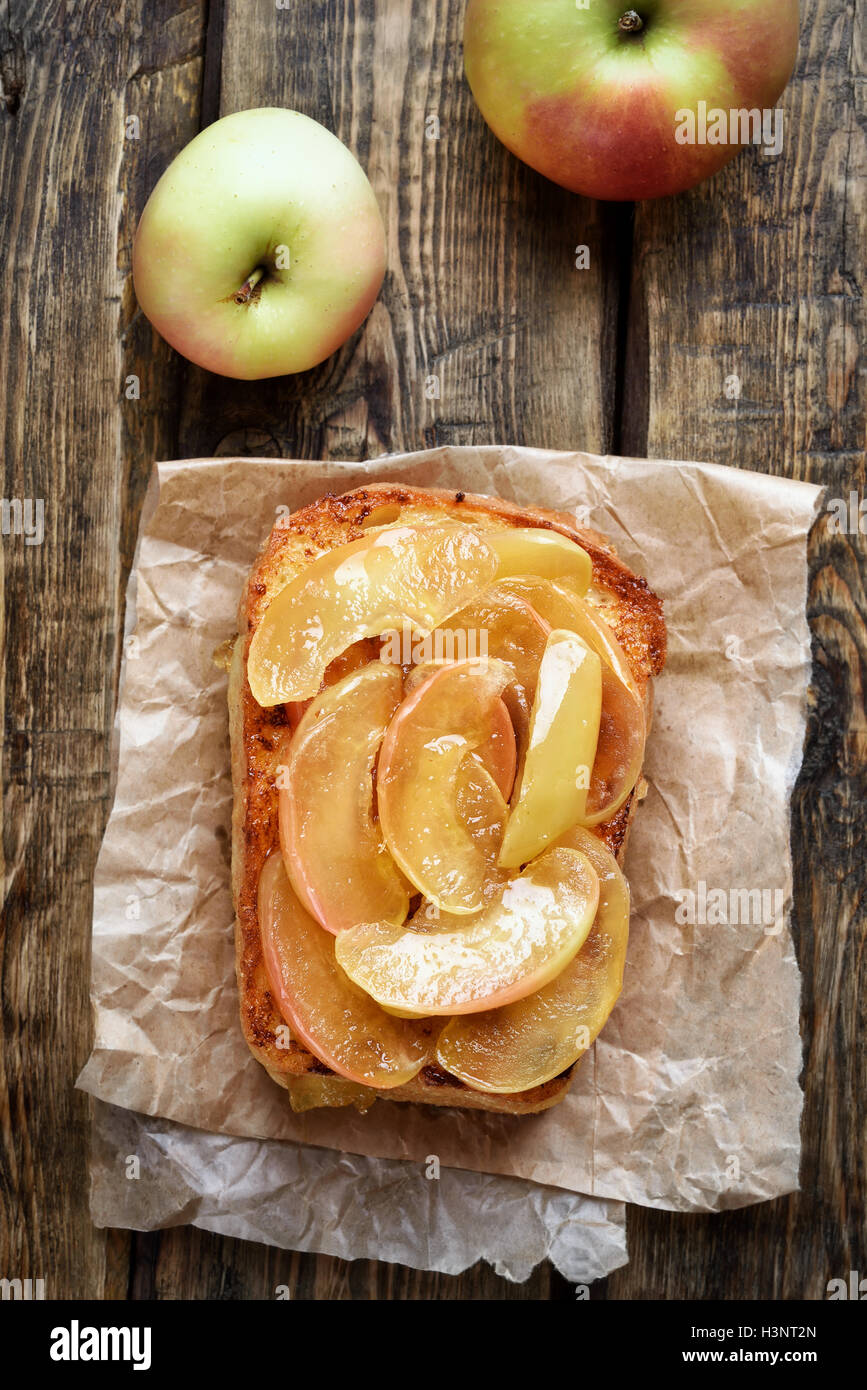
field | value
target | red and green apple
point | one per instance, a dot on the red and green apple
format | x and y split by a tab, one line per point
621	103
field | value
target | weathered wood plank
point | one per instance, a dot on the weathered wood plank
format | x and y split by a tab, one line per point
190	1263
163	90
759	274
481	290
70	76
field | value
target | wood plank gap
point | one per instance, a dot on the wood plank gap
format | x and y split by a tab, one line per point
212	75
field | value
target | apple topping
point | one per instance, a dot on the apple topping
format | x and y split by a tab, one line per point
517	944
526	1043
622	730
339	1022
397	577
333	848
482	808
499	752
395	783
564	731
356	656
310	1092
547	554
505	626
560	607
448	717
401	577
619	752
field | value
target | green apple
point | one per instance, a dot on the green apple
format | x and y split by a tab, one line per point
626	103
262	247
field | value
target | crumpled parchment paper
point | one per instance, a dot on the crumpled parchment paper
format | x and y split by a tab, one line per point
690	1098
303	1198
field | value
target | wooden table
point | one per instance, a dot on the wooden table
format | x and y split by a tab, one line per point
755	275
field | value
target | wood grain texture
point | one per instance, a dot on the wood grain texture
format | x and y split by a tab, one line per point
759	273
188	1263
481	290
164	91
756	274
70	76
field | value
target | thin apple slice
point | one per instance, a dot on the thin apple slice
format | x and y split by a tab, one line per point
502	625
499	752
333	849
564	732
482	808
521	550
622	731
519	942
509	629
420	767
547	554
497	624
619	752
529	1042
311	1092
418	675
356	656
334	1018
483	811
400	577
560	607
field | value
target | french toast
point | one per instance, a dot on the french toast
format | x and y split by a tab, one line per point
622	598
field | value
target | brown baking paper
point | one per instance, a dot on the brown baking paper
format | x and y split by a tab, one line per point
690	1098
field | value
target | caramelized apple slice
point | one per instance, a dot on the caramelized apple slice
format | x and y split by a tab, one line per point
482	808
503	625
548	554
619	752
560	607
334	1018
499	752
622	731
417	675
399	577
527	1043
522	550
358	655
521	940
311	1092
333	848
446	718
564	731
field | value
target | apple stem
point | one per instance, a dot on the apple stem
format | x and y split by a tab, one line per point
630	22
242	296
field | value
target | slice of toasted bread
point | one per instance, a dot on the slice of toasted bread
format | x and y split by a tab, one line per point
623	598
